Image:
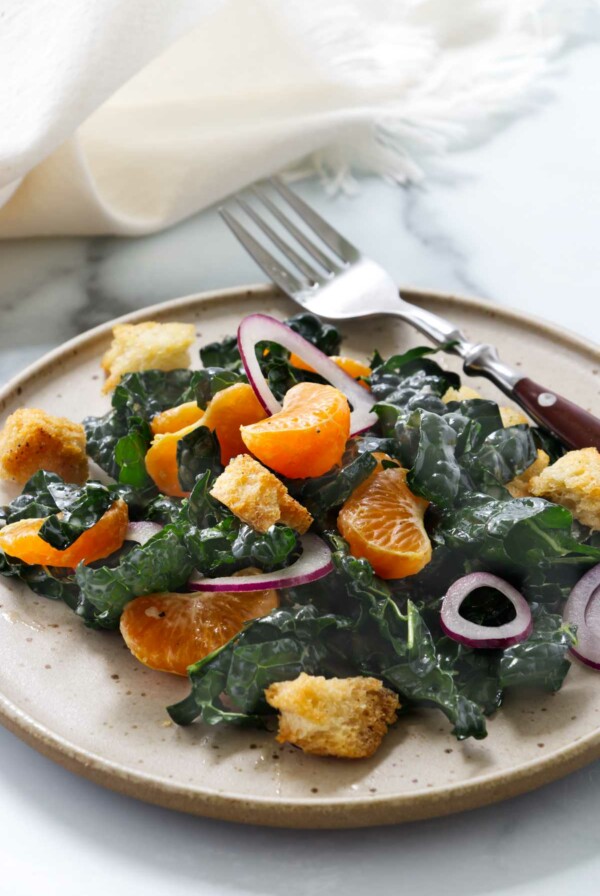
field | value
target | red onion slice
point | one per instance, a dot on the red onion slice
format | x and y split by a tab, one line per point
260	328
491	636
142	531
314	563
583	610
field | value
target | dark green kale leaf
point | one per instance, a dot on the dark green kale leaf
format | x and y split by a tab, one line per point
540	661
400	649
161	564
219	544
504	454
206	383
69	509
434	473
63	528
130	455
198	452
43	494
512	534
326	337
224	354
276	648
323	493
149	392
136	400
164	509
55	584
229	546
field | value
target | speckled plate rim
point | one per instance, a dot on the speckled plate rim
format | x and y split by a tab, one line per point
295	813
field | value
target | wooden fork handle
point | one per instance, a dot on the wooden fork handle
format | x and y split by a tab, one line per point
571	423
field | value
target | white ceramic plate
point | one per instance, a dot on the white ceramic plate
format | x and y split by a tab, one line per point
80	697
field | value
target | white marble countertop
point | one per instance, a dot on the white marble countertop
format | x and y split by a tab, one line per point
515	220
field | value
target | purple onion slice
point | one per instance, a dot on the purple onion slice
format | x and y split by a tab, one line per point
490	636
582	609
314	563
260	328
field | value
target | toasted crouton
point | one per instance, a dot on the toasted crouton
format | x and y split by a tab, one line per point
257	497
345	717
464	393
33	440
147	346
520	485
512	417
573	481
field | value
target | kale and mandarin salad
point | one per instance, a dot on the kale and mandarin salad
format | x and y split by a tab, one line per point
307	536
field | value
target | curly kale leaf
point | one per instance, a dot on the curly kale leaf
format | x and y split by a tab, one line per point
206	383
68	509
224	354
517	533
198	452
326	337
230	546
149	392
55	584
276	648
540	661
323	493
161	564
135	401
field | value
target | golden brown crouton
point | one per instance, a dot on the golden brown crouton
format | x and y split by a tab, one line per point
147	346
573	481
33	440
464	393
346	717
512	417
519	487
257	497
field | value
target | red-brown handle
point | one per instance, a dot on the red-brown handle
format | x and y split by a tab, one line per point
576	427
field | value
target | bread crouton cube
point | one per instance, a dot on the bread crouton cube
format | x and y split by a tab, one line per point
519	487
512	417
573	481
345	717
464	393
147	346
257	497
33	440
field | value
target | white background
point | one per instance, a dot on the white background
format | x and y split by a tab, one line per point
516	220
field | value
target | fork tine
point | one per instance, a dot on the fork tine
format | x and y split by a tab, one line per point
278	274
335	241
301	237
290	253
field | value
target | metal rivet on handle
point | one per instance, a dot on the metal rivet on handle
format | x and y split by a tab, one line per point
546	399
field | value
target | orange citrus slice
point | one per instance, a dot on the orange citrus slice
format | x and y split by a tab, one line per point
161	461
229	409
169	632
351	366
382	521
176	418
21	540
307	437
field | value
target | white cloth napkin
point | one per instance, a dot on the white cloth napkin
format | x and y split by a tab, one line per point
125	116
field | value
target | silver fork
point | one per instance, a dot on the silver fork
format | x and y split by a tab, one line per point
340	283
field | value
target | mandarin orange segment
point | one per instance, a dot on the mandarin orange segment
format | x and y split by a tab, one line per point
351	366
382	521
21	540
176	418
230	409
169	632
307	437
161	461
